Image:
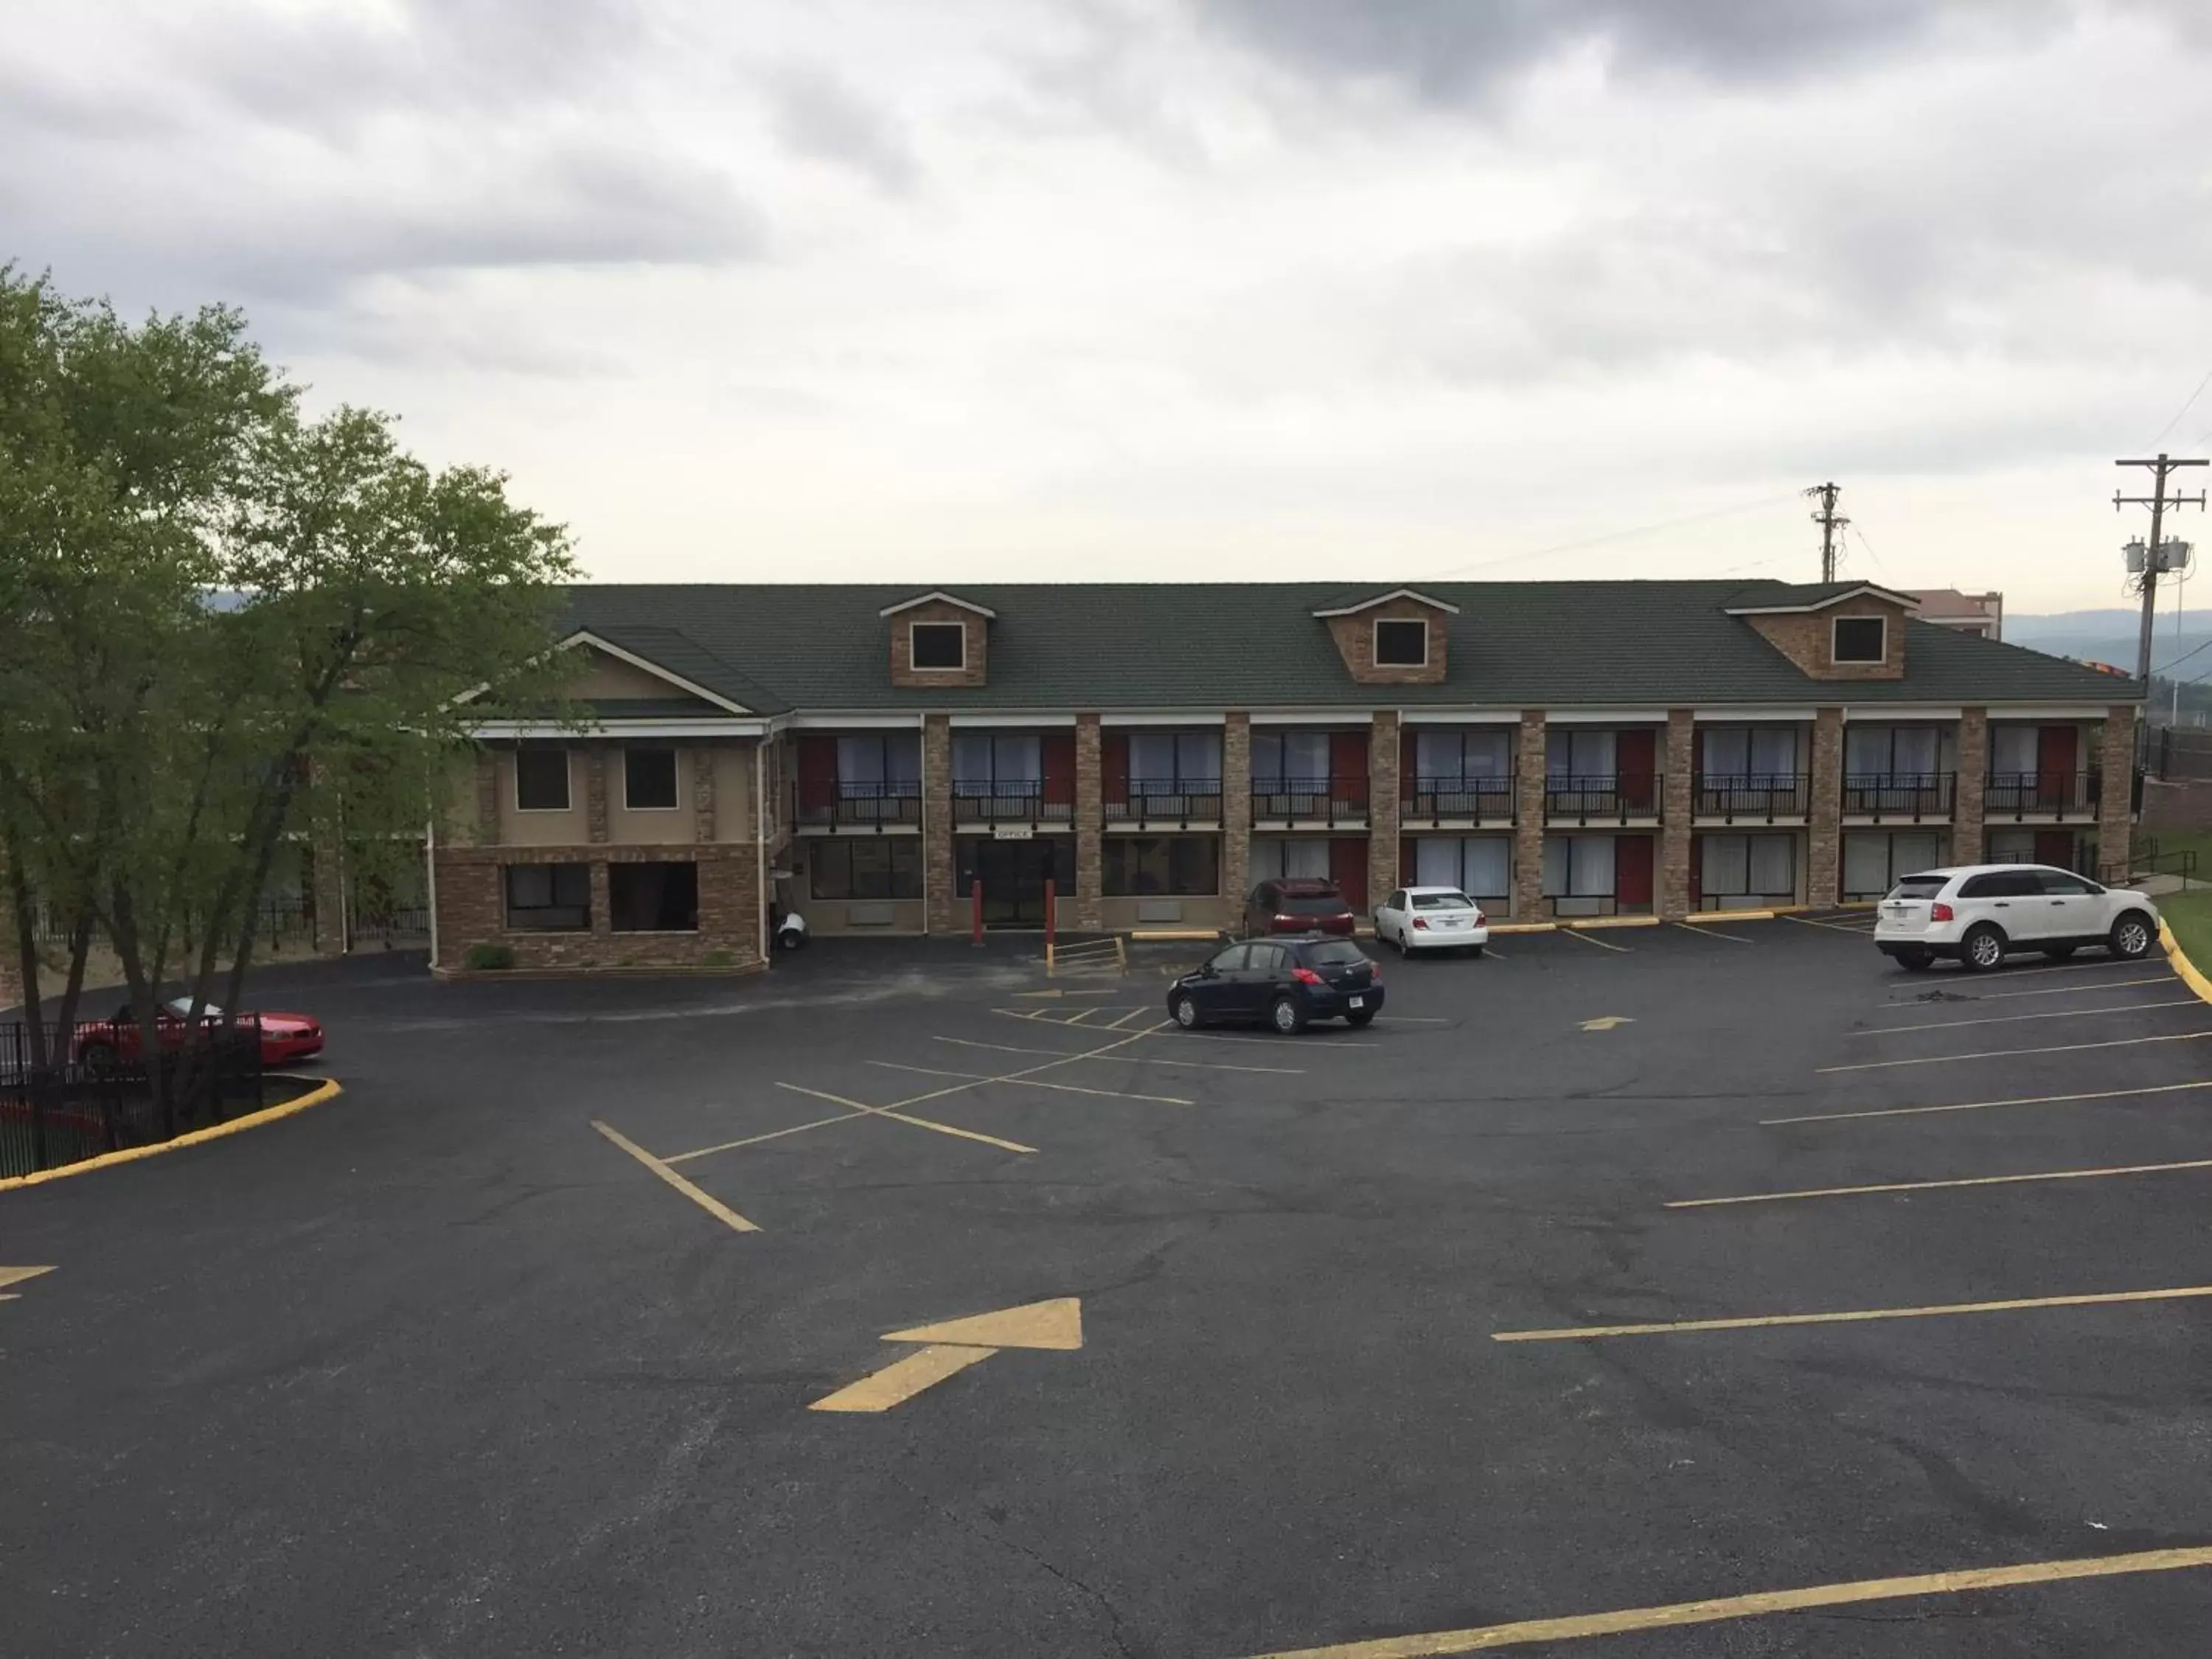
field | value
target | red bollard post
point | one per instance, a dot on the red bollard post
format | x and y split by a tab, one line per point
976	924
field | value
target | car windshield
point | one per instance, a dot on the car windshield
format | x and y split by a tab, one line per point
1442	902
182	1005
1919	887
1335	953
1310	904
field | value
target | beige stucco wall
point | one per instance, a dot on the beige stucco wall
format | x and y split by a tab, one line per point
611	677
833	916
520	828
1118	915
627	826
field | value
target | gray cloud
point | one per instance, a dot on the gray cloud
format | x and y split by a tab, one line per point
819	116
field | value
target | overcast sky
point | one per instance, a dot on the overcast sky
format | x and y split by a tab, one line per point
1225	289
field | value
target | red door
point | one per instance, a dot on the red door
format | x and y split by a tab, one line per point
2055	753
1114	768
1347	868
1631	872
1635	756
1057	753
2055	846
818	778
1348	767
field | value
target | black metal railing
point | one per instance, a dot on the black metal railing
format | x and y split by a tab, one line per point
1900	797
1480	800
1327	801
1165	800
1018	800
1760	796
1602	797
2148	859
93	1091
843	805
2018	795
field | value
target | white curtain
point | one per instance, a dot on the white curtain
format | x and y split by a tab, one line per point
902	757
1866	864
1019	759
971	756
1279	856
1436	861
1912	852
1865	750
1726	867
1916	749
1198	757
1773	752
1773	865
2012	751
1486	866
1584	753
860	760
1727	751
1152	757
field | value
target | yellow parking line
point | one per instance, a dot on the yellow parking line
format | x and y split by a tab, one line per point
755	1141
1128	1059
1434	1645
1035	1083
706	1201
1707	931
1984	1105
1587	938
1930	1185
1850	1316
2012	1054
860	1110
2014	1019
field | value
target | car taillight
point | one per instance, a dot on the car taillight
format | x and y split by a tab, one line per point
1305	976
1421	923
1480	920
1941	913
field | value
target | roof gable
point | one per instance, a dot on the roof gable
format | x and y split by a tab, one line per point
1353	607
1778	599
938	596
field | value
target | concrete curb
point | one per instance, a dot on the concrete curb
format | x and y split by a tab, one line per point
2191	975
330	1089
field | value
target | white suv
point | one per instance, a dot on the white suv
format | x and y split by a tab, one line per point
1976	913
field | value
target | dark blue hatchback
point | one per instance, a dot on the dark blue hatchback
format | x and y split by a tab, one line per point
1283	983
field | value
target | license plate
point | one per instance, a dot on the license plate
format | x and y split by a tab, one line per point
1359	1002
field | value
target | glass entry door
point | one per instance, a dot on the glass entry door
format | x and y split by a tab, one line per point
1013	874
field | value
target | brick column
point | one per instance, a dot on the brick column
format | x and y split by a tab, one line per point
941	902
2115	805
601	900
1824	826
1385	813
1236	808
1677	803
1090	825
701	762
1973	787
486	831
1529	902
595	794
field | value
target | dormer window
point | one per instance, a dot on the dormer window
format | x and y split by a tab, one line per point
941	645
1401	643
1860	639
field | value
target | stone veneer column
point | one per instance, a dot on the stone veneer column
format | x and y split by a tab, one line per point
1090	825
941	902
1972	789
1677	803
701	762
1529	902
595	794
2115	804
1385	812
1824	822
1236	808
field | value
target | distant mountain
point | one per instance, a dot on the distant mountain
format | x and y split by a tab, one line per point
2111	636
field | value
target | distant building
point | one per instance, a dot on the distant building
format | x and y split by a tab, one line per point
1970	613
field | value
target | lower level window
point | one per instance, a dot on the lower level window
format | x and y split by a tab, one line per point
1578	866
1875	861
653	898
548	898
1480	866
867	867
1752	866
1276	857
1182	865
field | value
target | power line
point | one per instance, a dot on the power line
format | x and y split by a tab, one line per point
1611	536
2183	658
1830	521
2181	411
1871	554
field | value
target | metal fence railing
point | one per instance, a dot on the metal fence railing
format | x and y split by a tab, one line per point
1601	797
1469	799
1340	798
2023	795
95	1093
856	803
1898	797
1757	797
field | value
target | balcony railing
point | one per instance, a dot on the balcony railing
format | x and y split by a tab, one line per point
1016	800
1433	801
1757	797
1901	797
2019	795
1166	800
1602	797
866	806
1326	801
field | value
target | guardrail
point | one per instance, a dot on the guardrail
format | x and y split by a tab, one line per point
2020	795
1171	801
1898	797
1602	797
869	805
1342	799
1458	799
1026	800
1761	796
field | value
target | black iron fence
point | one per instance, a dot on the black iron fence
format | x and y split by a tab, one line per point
93	1091
1019	800
1898	797
1757	797
1325	801
1461	799
1601	797
2024	794
857	804
1172	801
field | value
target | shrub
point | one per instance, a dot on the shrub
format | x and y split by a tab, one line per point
483	958
718	959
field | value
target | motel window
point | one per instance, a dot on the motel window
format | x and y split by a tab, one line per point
1448	756
867	867
1584	752
548	898
1182	867
1749	751
2014	750
1168	763
1748	866
882	758
541	780
653	898
939	644
1874	859
649	780
1481	866
1890	751
1298	760
1007	763
1402	644
1860	639
1280	857
1578	866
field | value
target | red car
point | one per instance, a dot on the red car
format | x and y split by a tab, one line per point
284	1037
1298	905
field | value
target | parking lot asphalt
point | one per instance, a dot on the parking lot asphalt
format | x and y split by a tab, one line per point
1430	1328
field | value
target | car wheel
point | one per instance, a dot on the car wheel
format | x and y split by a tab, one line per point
97	1058
1983	949
2133	936
1287	1017
2059	952
1916	961
1360	1021
1186	1013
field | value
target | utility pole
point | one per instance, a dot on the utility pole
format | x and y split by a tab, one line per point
1830	522
2158	500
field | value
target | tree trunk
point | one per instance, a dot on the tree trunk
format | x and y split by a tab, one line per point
143	991
73	987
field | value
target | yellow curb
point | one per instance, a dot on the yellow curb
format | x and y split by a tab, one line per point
1594	923
1173	935
330	1091
1697	917
2191	974
1524	926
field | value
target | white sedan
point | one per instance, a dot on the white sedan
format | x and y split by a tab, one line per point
1431	919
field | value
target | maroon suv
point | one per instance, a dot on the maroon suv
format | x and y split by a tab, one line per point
1294	905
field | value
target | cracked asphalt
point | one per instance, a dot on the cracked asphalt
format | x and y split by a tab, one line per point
436	1370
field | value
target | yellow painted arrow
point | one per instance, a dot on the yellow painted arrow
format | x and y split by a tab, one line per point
1606	1023
16	1276
956	1344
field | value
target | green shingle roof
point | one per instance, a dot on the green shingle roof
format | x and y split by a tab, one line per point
774	648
